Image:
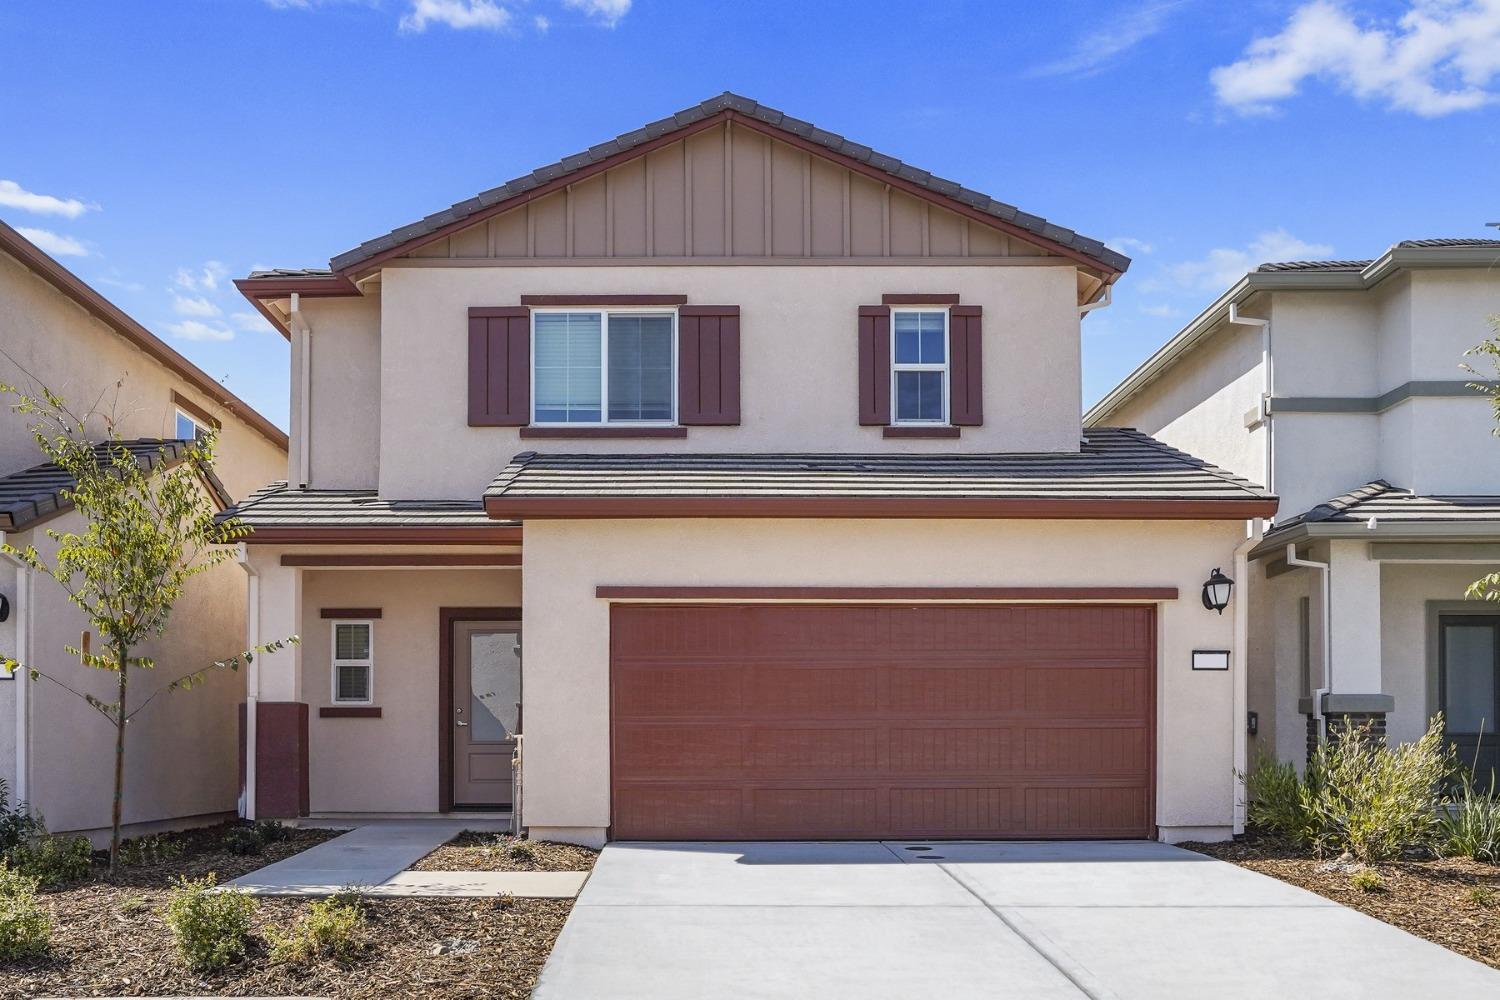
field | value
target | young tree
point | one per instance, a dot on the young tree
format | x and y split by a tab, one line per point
148	528
1488	587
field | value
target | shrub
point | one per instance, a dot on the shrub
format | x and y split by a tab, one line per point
1367	880
25	931
271	831
522	851
211	926
54	860
1482	896
1374	801
1275	803
1470	827
330	929
152	850
17	825
243	840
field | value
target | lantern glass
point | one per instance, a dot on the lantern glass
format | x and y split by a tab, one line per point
1216	591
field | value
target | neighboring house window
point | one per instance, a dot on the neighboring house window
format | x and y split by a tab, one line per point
919	369
353	662
603	367
189	429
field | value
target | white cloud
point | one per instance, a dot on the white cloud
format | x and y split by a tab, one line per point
13	195
1129	245
203	279
1439	57
1161	310
1096	51
193	305
192	329
250	322
1223	266
456	14
606	12
53	243
542	23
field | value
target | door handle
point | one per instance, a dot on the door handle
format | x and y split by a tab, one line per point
460	722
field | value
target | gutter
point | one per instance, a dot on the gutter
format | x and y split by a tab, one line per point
22	611
252	676
1292	559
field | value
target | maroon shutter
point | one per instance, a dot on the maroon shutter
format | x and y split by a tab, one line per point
965	367
875	365
500	366
708	365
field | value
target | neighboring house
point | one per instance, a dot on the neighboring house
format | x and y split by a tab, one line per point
56	752
770	446
1340	384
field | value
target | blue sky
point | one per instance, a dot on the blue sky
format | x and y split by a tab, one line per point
160	149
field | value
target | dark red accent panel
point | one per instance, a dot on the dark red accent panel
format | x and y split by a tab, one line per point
708	365
875	365
965	367
499	366
281	788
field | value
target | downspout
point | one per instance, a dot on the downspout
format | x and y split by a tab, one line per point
1241	700
252	675
1100	303
1292	559
304	403
22	681
1268	386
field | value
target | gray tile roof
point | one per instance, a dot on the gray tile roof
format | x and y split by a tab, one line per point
36	494
733	102
276	506
1387	503
1360	265
1114	464
292	272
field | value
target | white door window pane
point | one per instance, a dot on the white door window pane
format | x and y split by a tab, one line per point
567	369
351	641
494	685
919	395
640	368
353	682
1469	665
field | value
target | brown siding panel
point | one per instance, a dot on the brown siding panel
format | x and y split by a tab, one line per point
965	367
708	365
499	367
874	365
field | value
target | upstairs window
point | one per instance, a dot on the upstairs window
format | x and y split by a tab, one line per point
919	368
353	662
603	367
189	429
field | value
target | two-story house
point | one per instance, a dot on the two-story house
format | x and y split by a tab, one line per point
765	448
1340	384
56	752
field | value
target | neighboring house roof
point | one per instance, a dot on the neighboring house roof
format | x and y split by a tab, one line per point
1339	275
36	494
1378	509
277	513
111	315
1117	473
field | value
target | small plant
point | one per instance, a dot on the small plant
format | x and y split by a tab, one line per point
211	926
522	851
152	850
330	929
1482	895
54	860
17	825
134	905
243	840
1275	802
272	831
1470	827
1367	880
25	931
505	901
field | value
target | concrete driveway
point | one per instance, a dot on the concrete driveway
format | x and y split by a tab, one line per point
954	921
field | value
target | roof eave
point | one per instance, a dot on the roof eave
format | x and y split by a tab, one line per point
261	291
1276	540
585	507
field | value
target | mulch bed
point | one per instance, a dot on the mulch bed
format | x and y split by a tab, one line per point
1453	902
473	851
110	938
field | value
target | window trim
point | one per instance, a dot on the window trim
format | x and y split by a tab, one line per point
604	313
368	661
944	368
200	429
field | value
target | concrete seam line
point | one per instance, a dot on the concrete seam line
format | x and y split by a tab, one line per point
1074	971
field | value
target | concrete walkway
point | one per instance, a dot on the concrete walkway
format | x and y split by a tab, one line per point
376	858
1108	921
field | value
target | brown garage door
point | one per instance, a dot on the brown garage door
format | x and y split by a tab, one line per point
745	722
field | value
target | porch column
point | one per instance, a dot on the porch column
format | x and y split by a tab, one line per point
1354	683
276	716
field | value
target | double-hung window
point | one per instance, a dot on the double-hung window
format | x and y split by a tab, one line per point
354	662
919	369
188	428
603	367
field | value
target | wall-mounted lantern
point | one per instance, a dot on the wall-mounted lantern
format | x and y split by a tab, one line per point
1216	591
4	608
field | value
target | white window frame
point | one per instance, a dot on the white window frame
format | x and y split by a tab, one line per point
368	662
199	428
914	367
604	315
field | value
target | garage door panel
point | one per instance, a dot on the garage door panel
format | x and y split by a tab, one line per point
780	732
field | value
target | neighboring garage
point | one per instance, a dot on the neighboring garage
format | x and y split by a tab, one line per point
781	721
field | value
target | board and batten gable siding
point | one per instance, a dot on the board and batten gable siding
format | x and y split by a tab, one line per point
726	192
798	360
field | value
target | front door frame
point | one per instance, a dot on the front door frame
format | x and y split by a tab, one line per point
447	618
